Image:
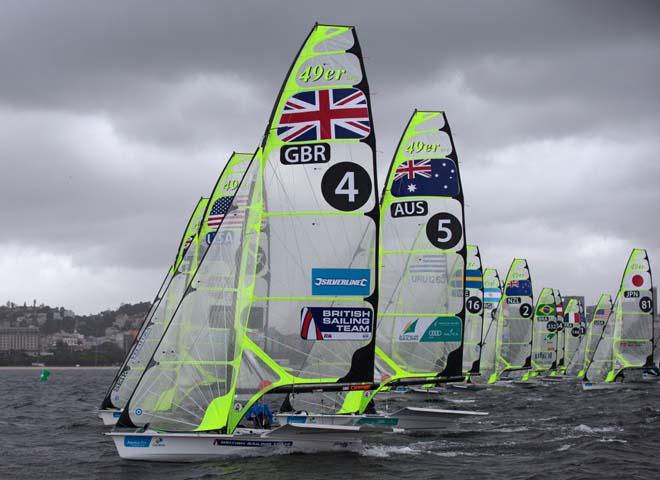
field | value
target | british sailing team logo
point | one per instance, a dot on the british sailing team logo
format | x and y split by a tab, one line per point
336	323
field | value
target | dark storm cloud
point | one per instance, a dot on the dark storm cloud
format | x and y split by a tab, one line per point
116	116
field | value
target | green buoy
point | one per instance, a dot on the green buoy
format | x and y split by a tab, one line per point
45	373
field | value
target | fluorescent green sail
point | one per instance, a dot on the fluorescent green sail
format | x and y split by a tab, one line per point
558	366
514	322
293	307
627	339
575	335
422	259
492	297
544	341
181	275
188	236
474	312
595	329
633	317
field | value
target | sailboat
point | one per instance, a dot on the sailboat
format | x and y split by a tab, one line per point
558	367
109	412
199	232
544	340
492	292
626	345
421	305
599	318
287	305
474	313
513	342
577	333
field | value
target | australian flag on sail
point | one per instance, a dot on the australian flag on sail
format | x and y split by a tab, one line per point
473	279
338	113
519	288
430	177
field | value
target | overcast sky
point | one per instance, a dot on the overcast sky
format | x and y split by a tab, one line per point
115	117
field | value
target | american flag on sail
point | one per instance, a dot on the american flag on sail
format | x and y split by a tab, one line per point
220	213
339	113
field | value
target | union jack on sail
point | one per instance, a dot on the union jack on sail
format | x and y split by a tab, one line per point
339	113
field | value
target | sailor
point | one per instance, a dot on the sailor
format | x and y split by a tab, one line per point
260	416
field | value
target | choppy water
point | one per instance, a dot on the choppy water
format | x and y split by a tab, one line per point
49	430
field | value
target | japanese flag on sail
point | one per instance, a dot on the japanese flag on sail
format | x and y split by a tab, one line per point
638	281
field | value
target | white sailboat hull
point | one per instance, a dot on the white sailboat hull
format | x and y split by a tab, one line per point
193	447
109	417
473	387
410	419
588	386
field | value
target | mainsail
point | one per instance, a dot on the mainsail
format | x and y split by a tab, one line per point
192	227
474	312
492	297
420	321
293	306
544	342
514	322
627	339
573	333
195	245
578	331
633	317
601	362
599	318
558	366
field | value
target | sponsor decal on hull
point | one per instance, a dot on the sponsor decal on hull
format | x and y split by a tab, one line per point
135	441
220	442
